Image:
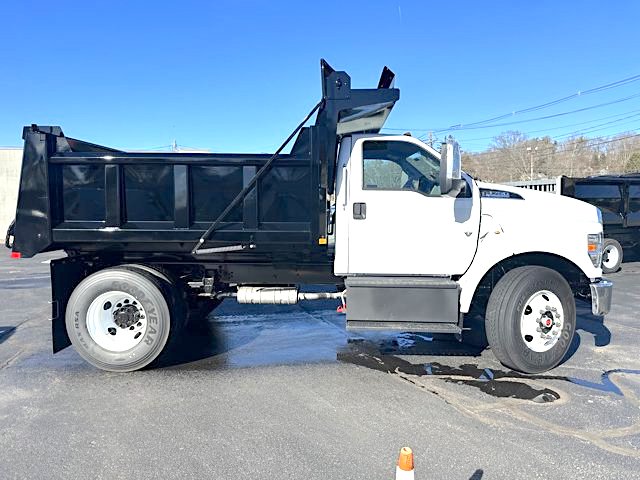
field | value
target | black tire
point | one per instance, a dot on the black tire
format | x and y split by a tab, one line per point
172	292
153	295
611	250
507	305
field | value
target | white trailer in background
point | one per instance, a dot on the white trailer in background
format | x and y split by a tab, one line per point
551	185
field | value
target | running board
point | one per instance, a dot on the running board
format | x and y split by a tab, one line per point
420	304
418	327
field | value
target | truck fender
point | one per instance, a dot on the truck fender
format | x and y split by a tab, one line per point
471	280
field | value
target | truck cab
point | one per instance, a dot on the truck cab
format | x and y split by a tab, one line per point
420	242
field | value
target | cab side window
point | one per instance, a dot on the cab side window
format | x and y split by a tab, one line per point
396	165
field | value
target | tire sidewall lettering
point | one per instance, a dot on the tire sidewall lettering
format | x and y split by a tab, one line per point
535	360
155	335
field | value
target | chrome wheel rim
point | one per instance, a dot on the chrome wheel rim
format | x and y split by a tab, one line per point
610	256
116	321
541	321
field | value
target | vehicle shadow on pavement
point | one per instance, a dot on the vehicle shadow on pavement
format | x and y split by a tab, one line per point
592	324
589	323
422	344
200	341
6	332
477	475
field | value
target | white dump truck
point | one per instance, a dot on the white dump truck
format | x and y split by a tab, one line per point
154	240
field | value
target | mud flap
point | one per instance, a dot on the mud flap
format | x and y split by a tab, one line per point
66	273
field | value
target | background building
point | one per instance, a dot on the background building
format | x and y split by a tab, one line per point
10	162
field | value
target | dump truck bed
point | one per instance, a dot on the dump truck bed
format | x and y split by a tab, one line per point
104	199
84	198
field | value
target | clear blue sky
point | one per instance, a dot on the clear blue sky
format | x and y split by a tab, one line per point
239	75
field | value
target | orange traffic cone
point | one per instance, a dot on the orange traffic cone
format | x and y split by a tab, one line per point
404	470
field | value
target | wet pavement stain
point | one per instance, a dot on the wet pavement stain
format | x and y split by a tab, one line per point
484	380
497	383
278	338
509	389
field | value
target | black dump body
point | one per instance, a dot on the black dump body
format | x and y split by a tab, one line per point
93	200
617	197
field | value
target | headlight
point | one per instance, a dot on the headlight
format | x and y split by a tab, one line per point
594	247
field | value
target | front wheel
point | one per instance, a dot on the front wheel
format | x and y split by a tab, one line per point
118	319
531	319
611	256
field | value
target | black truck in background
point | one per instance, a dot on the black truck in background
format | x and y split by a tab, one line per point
618	198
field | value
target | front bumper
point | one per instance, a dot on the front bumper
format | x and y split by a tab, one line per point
601	293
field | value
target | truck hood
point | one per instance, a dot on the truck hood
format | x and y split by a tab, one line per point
550	206
517	220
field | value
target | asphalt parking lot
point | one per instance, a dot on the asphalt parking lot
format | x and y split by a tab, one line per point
285	392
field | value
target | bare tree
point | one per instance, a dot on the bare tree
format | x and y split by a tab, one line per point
513	156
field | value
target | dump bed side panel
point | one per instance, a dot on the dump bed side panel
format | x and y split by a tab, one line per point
155	203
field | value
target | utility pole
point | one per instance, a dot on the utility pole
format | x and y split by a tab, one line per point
431	139
531	150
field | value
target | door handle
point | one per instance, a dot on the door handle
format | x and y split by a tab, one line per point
360	211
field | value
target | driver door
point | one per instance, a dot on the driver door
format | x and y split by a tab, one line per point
398	222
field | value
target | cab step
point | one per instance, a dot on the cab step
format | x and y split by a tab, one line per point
419	304
417	327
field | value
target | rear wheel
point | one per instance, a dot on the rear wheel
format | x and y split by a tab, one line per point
611	255
531	319
119	319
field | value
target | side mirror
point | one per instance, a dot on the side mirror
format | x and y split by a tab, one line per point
450	166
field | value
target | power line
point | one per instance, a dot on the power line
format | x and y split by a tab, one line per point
461	126
585	131
529	132
163	147
553	149
494	156
546	117
607	86
596	128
